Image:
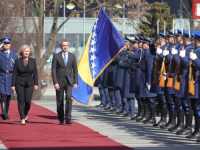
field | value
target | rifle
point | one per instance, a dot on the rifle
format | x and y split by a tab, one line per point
180	68
157	65
171	65
129	41
191	69
163	68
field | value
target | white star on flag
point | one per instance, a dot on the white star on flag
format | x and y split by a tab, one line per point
97	20
95	26
93	72
92	50
93	42
93	65
92	57
93	35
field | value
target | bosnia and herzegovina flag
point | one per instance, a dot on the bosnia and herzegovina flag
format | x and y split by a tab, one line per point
103	46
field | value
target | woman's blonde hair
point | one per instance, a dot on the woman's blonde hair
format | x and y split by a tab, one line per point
20	53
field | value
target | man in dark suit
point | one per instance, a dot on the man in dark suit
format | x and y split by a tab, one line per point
65	76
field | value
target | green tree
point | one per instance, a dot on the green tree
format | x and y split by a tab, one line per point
158	11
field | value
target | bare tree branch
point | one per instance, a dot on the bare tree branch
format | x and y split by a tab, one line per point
25	28
75	12
33	18
36	5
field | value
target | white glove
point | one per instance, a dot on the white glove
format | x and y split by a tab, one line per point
165	75
153	41
182	54
174	51
158	51
165	53
148	86
182	78
196	81
193	56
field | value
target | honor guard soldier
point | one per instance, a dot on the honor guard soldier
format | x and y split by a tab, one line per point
169	91
110	84
105	89
186	98
98	83
135	78
146	81
196	102
177	102
128	96
118	84
159	40
122	109
7	60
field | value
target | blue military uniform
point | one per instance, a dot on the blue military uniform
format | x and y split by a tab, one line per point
184	88
177	101
146	77
169	92
128	95
190	104
98	83
157	89
7	61
110	84
118	84
135	81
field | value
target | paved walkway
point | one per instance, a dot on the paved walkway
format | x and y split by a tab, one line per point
136	135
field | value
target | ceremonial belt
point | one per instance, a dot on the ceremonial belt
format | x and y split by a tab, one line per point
142	71
6	71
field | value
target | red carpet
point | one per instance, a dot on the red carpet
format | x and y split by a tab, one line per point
43	132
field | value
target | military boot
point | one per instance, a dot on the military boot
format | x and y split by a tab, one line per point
180	123
151	119
163	118
145	115
3	107
7	108
196	133
172	121
187	130
140	112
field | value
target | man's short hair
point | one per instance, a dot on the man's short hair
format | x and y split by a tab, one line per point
64	40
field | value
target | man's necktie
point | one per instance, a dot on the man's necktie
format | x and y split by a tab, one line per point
65	60
7	55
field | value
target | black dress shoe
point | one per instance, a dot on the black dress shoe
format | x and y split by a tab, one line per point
133	117
194	135
26	120
23	124
160	123
102	106
98	105
107	107
118	111
113	109
61	123
150	121
185	131
68	122
125	114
